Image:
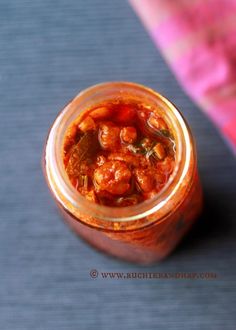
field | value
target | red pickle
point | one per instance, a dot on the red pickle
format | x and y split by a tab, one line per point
116	154
121	164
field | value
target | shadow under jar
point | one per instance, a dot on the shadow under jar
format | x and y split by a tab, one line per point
133	224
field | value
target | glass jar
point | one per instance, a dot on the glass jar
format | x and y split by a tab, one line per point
142	233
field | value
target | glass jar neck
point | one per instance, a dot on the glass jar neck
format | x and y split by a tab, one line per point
78	205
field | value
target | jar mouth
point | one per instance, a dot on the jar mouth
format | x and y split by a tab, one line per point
58	181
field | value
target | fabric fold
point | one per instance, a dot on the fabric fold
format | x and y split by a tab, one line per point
198	40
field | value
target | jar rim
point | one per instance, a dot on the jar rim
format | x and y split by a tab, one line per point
67	195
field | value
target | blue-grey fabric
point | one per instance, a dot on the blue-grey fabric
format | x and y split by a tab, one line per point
49	51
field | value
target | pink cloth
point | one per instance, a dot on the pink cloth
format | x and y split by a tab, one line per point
198	40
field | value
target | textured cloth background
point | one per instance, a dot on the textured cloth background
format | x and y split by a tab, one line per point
50	50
